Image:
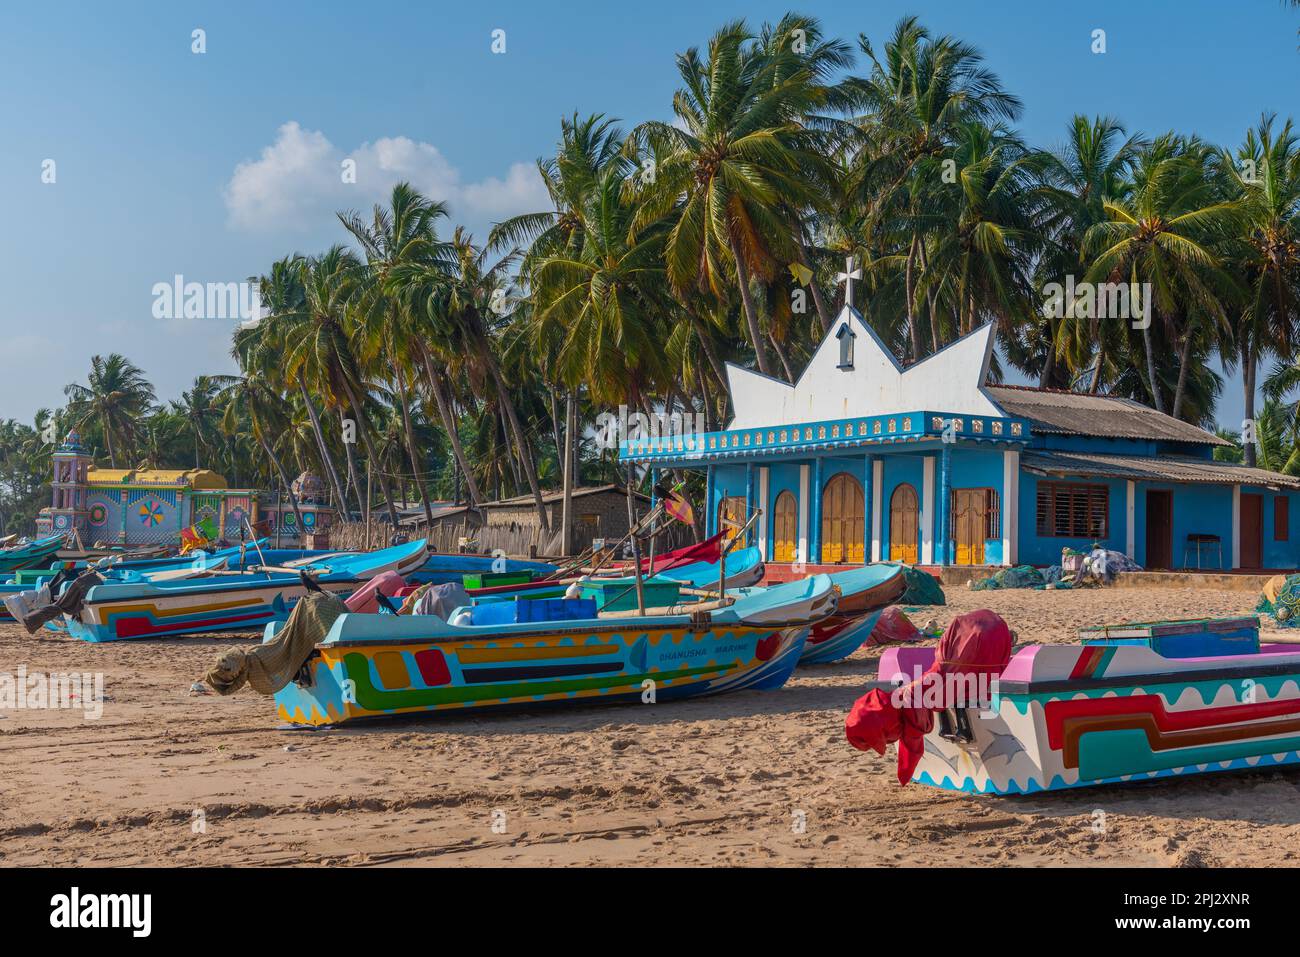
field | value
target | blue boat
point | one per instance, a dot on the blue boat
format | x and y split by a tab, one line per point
226	601
441	569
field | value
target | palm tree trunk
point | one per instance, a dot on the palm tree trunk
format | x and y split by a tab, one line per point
1151	370
373	460
706	343
751	315
507	403
421	481
1181	390
1097	370
326	460
1049	361
566	509
353	478
823	310
108	441
909	290
1249	363
453	435
785	359
930	299
284	480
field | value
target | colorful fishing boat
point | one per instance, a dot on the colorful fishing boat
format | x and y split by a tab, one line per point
37	554
1131	703
865	593
225	602
373	665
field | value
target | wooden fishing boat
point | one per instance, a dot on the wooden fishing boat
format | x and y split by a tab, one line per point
373	665
35	554
1131	703
225	602
865	593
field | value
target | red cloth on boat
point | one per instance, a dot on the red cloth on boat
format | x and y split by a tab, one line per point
978	642
893	627
363	600
709	550
876	721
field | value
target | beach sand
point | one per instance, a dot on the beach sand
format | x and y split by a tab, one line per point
722	780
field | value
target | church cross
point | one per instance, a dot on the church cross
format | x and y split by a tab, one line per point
847	278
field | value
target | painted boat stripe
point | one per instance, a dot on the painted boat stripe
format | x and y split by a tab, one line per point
527	672
483	656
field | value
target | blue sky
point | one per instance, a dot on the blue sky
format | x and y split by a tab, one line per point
211	165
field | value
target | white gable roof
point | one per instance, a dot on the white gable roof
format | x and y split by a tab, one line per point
951	380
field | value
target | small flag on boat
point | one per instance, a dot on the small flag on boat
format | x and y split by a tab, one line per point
198	533
680	509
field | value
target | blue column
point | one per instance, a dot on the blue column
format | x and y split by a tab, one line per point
654	480
941	555
815	514
710	510
867	461
749	500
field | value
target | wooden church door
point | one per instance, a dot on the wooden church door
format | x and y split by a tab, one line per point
969	524
904	525
843	511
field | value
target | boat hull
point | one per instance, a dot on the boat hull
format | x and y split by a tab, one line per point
838	637
192	613
614	662
1077	716
116	612
865	593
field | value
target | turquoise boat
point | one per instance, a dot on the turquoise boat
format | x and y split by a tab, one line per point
232	601
31	554
551	652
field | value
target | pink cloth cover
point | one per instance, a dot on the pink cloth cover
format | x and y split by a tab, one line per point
363	600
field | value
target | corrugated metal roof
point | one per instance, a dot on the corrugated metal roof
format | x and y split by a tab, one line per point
1167	468
1104	416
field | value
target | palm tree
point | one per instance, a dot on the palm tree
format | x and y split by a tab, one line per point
1164	234
387	332
116	396
912	104
728	167
201	409
1266	175
253	402
1090	168
466	303
259	349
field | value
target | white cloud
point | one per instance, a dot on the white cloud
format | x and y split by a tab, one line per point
297	183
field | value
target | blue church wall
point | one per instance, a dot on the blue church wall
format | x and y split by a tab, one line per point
1095	445
1035	549
1198	509
781	477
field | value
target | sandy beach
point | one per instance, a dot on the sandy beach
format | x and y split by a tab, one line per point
168	777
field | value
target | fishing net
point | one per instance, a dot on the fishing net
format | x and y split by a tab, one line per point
1022	576
922	588
1281	599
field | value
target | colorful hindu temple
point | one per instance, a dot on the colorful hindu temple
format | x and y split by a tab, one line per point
135	507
